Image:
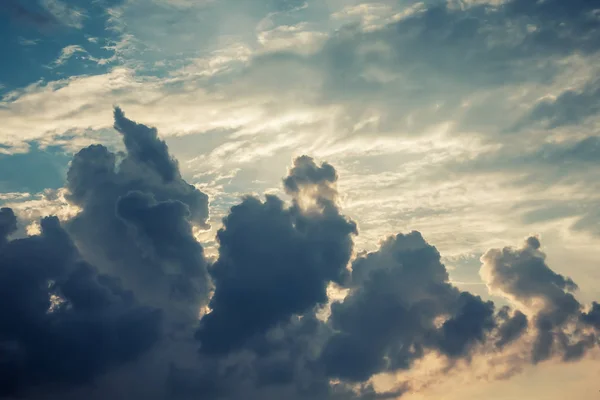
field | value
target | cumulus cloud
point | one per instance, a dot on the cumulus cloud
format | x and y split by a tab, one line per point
117	191
523	276
62	322
275	260
123	290
401	305
512	327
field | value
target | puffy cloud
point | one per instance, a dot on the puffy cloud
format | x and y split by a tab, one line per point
62	322
512	327
592	317
523	276
125	278
401	305
137	215
276	261
305	173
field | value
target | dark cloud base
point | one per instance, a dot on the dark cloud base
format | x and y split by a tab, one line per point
119	289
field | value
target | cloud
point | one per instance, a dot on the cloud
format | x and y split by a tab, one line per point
512	328
123	197
63	323
122	293
592	317
401	78
8	224
392	315
569	108
305	173
523	276
381	93
276	261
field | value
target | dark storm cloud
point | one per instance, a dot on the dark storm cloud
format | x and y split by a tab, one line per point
144	237
62	322
522	274
276	261
389	319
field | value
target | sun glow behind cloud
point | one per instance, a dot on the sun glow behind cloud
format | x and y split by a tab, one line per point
474	122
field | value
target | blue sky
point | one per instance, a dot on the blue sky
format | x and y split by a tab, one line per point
474	122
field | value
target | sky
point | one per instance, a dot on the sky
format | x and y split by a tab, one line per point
288	199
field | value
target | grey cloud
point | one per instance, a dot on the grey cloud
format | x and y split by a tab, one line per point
160	258
592	317
524	275
126	278
306	173
389	318
275	261
145	148
283	363
62	322
512	327
163	229
8	224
